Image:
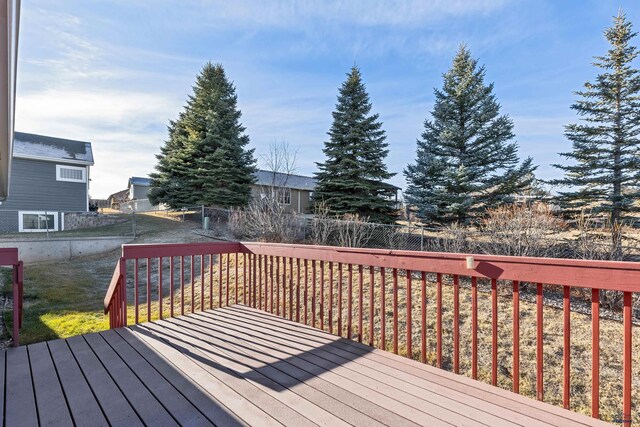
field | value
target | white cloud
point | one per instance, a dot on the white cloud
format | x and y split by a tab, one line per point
126	128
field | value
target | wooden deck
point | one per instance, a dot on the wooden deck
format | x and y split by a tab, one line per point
239	366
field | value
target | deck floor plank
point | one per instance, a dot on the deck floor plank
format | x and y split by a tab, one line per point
107	394
206	403
246	403
52	405
239	366
552	415
345	371
20	400
338	362
315	405
278	409
175	403
148	408
83	405
381	409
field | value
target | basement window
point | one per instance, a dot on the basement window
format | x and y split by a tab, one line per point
37	221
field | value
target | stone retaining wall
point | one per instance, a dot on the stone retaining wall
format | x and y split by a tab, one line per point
80	220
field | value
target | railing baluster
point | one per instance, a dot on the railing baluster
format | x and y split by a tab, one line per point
340	298
193	284
271	283
265	265
182	285
211	261
202	293
160	287
516	336
330	297
252	265
423	318
236	278
595	353
227	275
371	308
540	342
456	324
383	310
408	300
360	302
298	290
306	296
277	286
313	293
171	285
290	289
627	361
148	290
395	310
244	278
322	295
284	287
566	369
474	328
439	319
494	332
254	281
136	290
260	287
349	300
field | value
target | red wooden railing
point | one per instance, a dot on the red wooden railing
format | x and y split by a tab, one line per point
9	258
299	282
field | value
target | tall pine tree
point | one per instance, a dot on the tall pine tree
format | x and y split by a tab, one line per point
350	180
605	165
466	159
205	160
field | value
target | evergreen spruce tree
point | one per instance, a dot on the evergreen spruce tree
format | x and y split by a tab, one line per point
170	184
466	159
350	180
605	165
205	161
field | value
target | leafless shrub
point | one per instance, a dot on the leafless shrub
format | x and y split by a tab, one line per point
269	220
236	223
521	230
323	226
354	231
455	238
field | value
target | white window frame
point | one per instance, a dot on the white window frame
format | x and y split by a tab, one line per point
83	169
21	221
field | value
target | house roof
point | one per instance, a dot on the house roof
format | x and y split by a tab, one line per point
137	180
40	147
120	196
295	182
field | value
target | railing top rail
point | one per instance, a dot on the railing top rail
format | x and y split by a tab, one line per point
611	275
9	256
178	249
113	285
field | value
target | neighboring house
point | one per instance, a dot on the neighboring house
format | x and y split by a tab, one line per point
297	190
116	199
138	187
49	176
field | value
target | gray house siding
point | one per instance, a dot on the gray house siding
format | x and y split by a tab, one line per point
138	192
34	188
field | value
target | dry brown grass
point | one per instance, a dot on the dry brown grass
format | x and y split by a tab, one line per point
610	330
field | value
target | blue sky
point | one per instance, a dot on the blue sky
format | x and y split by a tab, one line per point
114	72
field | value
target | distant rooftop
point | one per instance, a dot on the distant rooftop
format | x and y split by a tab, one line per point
137	180
295	182
32	146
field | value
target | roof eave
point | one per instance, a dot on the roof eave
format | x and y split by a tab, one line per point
57	160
